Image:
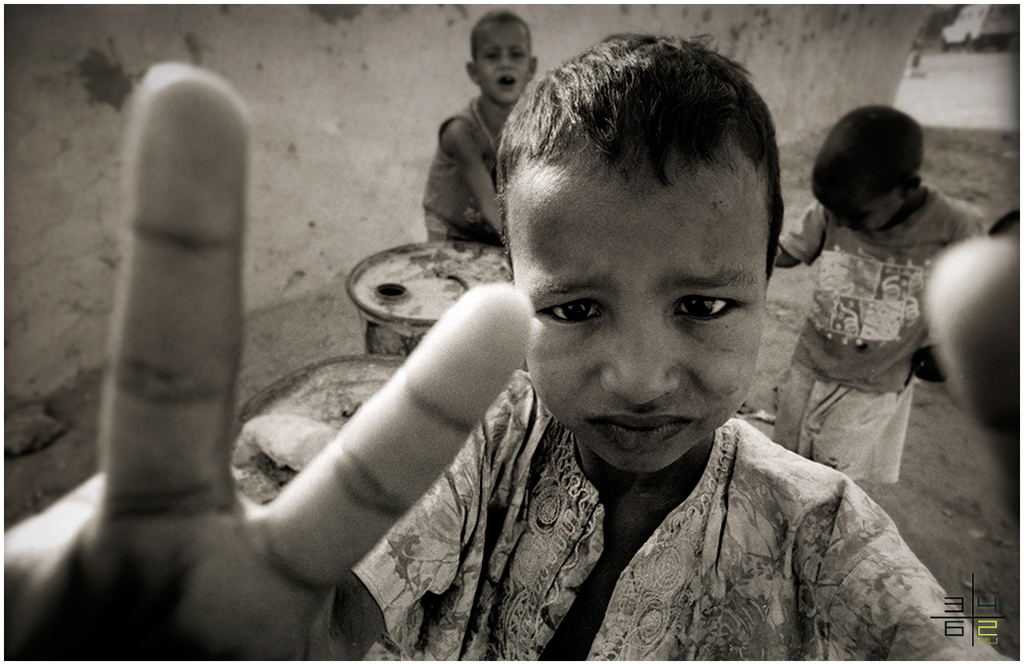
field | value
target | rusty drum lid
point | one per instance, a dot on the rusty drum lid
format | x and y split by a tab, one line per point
415	284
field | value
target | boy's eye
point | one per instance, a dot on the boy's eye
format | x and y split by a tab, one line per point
701	306
575	311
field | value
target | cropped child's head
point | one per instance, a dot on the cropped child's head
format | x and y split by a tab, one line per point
639	183
867	169
503	61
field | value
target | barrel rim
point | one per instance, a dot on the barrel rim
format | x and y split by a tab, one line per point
385	317
268	394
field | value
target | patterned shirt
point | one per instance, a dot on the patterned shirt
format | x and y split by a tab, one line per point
865	321
772	556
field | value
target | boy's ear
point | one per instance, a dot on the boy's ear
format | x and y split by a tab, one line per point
533	65
471	71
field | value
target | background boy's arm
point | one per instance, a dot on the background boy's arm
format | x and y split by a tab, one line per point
460	141
802	239
968	224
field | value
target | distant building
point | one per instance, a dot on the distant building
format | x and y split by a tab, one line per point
980	26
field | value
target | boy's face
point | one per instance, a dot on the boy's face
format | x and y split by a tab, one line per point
859	210
502	64
649	301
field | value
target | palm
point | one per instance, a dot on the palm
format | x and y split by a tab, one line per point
158	557
185	587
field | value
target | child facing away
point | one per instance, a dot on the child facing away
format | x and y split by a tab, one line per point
875	231
606	506
459	202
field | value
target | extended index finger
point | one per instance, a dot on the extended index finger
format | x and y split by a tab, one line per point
176	329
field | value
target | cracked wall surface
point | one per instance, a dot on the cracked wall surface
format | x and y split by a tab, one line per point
345	103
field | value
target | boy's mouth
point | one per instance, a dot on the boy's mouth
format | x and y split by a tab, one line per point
505	79
636	431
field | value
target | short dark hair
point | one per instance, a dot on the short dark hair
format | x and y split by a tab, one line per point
874	148
641	101
494	17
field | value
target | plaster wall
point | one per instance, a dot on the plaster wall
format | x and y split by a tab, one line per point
345	101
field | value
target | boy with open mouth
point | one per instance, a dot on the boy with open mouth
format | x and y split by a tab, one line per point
459	202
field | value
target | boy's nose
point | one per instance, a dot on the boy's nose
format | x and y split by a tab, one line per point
642	365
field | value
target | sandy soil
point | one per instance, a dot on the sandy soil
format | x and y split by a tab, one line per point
948	503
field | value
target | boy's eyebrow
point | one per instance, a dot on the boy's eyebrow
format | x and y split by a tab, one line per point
556	287
724	277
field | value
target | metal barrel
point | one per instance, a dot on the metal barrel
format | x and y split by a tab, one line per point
402	292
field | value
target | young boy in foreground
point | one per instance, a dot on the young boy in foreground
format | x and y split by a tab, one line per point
875	230
460	202
607	506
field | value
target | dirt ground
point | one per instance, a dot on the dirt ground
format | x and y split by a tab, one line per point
948	505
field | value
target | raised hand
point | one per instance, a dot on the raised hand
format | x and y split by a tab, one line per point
973	308
157	557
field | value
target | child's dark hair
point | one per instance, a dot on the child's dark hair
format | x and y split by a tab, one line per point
642	101
494	17
873	148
